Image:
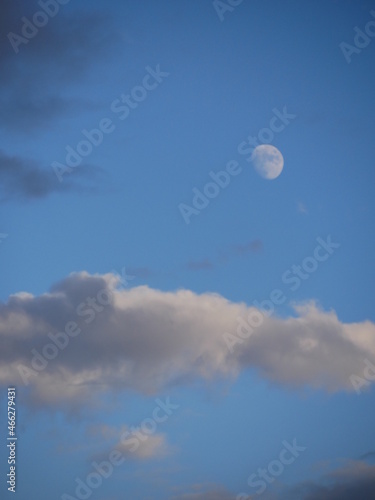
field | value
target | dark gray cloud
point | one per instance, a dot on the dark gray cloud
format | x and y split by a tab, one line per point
355	480
254	246
23	179
207	495
140	272
35	82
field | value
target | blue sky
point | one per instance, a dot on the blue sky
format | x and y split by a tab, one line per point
203	78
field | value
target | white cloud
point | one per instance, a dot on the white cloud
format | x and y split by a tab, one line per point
354	479
146	339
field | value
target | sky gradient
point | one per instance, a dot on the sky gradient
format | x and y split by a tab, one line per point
176	325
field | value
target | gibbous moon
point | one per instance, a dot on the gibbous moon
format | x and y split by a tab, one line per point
267	161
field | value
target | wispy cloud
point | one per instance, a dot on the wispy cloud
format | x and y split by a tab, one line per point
132	445
251	247
354	480
24	179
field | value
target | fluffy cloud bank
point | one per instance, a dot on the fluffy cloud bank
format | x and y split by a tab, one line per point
354	480
86	336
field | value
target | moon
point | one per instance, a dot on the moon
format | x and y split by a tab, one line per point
268	161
